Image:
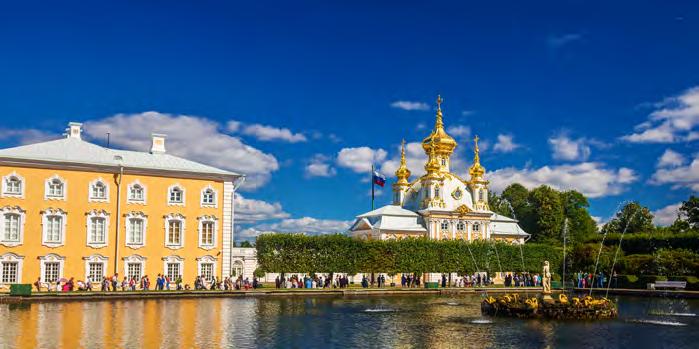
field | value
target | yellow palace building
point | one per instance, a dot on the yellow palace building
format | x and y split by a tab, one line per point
70	208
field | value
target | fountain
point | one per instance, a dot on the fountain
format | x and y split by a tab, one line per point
586	308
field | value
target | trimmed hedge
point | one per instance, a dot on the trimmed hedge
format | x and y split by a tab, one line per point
641	282
647	243
284	253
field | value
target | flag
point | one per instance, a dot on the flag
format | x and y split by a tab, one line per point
378	179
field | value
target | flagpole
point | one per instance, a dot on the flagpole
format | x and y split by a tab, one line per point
372	187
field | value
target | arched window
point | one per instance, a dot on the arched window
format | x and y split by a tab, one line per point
54	221
98	190
460	226
208	197
436	192
97	228
444	162
175	195
476	227
137	193
13	185
445	225
55	188
174	230
11	226
481	195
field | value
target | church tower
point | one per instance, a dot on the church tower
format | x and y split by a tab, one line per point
438	146
402	174
477	184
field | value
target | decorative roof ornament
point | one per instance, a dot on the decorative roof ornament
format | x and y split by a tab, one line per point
402	173
432	166
476	171
438	139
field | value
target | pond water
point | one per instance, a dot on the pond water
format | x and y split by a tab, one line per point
327	322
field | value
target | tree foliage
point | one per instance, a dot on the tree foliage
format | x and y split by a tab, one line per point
285	253
633	218
690	211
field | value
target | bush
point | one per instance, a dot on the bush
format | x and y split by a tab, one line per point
638	264
646	243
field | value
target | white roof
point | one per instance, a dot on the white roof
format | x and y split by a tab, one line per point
78	151
389	210
502	225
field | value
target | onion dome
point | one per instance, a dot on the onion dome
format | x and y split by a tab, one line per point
476	171
402	173
439	140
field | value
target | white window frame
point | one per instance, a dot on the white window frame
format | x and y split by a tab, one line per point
51	258
461	227
215	193
442	225
173	259
96	258
129	200
183	192
10	257
92	198
55	197
7	194
206	260
207	219
22	216
136	215
88	224
51	212
135	259
175	217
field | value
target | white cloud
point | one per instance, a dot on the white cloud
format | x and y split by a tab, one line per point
557	41
671	158
194	138
360	159
26	136
666	215
589	178
409	105
459	131
505	144
676	120
565	148
680	176
270	133
307	225
319	167
253	210
467	112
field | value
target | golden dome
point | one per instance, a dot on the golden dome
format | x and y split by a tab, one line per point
402	173
439	140
432	166
476	171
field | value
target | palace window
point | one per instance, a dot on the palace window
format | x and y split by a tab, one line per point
208	197
206	266
136	229
52	271
12	186
10	268
460	226
445	225
99	191
444	162
175	195
54	221
436	192
174	230
137	193
476	227
134	270
173	271
174	234
11	227
10	272
55	188
481	195
95	271
98	230
207	231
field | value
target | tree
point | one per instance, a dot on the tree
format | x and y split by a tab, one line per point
632	218
548	210
245	243
580	223
690	210
517	197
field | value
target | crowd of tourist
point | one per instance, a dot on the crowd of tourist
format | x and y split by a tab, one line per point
590	280
162	282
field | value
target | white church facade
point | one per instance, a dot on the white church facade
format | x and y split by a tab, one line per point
439	204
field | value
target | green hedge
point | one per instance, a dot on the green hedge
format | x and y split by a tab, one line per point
642	281
647	243
339	253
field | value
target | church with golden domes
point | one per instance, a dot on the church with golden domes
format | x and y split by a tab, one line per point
439	204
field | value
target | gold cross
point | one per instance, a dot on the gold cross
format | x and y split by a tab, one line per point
439	101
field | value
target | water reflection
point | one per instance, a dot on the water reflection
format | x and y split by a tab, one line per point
320	322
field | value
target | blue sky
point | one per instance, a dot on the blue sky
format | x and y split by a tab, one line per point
302	96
